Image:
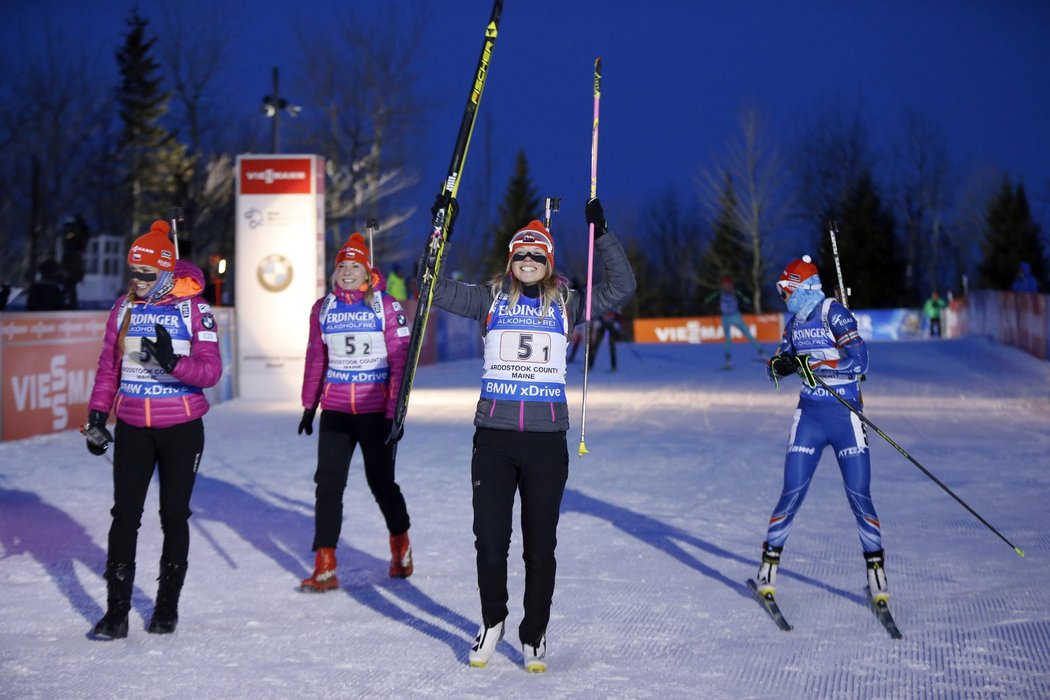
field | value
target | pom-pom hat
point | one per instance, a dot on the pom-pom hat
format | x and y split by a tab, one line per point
799	274
355	250
533	234
154	248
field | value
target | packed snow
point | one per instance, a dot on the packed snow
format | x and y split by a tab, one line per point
661	526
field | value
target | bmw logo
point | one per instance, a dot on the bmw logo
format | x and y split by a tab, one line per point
274	273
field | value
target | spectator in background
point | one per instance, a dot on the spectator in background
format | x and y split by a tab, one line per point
395	284
729	305
608	323
580	331
932	311
46	294
1025	281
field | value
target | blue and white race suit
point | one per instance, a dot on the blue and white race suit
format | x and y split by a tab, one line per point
839	356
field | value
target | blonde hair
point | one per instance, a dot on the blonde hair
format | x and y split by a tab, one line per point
552	288
369	285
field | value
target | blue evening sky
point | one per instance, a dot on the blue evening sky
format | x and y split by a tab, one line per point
676	75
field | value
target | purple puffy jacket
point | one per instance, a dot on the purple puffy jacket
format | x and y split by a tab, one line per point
201	368
356	398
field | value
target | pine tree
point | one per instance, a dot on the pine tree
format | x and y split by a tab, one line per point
156	167
1012	237
729	254
869	254
520	205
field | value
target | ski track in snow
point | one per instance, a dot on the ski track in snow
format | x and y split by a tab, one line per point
661	525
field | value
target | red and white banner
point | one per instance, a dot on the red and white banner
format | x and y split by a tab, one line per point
765	328
279	269
48	364
276	175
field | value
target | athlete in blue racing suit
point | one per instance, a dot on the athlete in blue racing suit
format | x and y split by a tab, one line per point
821	339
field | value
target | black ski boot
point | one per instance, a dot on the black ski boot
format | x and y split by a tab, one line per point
120	579
166	612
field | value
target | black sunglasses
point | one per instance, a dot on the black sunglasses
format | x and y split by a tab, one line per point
529	255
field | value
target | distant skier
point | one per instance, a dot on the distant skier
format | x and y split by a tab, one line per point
821	339
160	351
932	310
526	314
355	358
1024	280
729	305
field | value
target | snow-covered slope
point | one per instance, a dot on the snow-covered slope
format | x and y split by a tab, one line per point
661	525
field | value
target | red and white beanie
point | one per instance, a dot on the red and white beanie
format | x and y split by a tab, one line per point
154	248
533	234
799	274
355	250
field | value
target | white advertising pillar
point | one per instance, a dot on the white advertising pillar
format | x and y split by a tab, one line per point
279	270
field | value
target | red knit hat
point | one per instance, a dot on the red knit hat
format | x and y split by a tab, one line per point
799	274
355	250
534	233
154	248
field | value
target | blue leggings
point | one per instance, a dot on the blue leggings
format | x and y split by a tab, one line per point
731	320
815	427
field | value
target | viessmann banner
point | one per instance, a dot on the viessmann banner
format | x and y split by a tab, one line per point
765	328
280	269
48	362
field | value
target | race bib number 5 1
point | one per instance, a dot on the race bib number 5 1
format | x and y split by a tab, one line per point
525	347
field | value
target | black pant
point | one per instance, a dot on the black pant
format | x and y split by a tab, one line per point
537	466
935	328
340	433
176	452
599	332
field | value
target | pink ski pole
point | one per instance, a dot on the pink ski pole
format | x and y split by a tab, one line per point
590	253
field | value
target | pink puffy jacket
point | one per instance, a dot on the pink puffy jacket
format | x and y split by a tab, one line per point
201	368
356	398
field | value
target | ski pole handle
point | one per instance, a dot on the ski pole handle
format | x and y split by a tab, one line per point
551	205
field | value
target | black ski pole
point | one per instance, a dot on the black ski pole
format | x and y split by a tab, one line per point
434	252
911	459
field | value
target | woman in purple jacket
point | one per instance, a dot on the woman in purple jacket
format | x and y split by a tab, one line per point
159	352
355	359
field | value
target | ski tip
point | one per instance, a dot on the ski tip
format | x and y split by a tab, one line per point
1020	552
583	449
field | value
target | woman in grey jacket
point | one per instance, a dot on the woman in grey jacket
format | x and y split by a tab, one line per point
527	314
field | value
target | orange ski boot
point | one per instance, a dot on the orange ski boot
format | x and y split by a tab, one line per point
400	556
323	578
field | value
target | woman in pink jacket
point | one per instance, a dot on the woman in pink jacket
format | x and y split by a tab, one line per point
355	359
159	352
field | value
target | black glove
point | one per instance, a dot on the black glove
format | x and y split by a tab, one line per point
804	371
783	364
450	205
160	349
596	216
96	434
391	437
306	423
